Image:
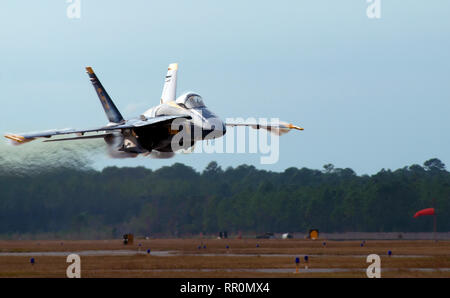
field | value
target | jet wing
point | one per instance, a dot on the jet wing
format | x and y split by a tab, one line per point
274	128
27	137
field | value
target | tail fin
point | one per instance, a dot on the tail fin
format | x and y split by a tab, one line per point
110	108
170	85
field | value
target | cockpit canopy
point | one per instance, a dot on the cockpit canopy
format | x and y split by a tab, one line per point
191	100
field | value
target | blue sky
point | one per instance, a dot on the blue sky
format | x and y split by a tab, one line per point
370	94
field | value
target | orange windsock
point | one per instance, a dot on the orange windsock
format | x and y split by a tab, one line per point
428	211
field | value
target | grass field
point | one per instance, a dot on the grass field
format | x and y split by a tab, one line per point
242	258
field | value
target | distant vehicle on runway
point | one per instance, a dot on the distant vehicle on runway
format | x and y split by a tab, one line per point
267	235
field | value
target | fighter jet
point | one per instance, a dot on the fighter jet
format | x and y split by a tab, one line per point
155	130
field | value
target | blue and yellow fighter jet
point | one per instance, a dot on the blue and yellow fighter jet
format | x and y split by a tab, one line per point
153	131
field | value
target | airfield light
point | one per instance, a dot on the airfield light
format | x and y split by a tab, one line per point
297	261
389	253
148	251
32	261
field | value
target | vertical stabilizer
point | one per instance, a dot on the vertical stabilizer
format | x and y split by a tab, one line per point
170	84
110	108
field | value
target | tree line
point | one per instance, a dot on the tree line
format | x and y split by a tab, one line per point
178	200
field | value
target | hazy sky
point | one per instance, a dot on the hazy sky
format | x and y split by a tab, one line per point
370	93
